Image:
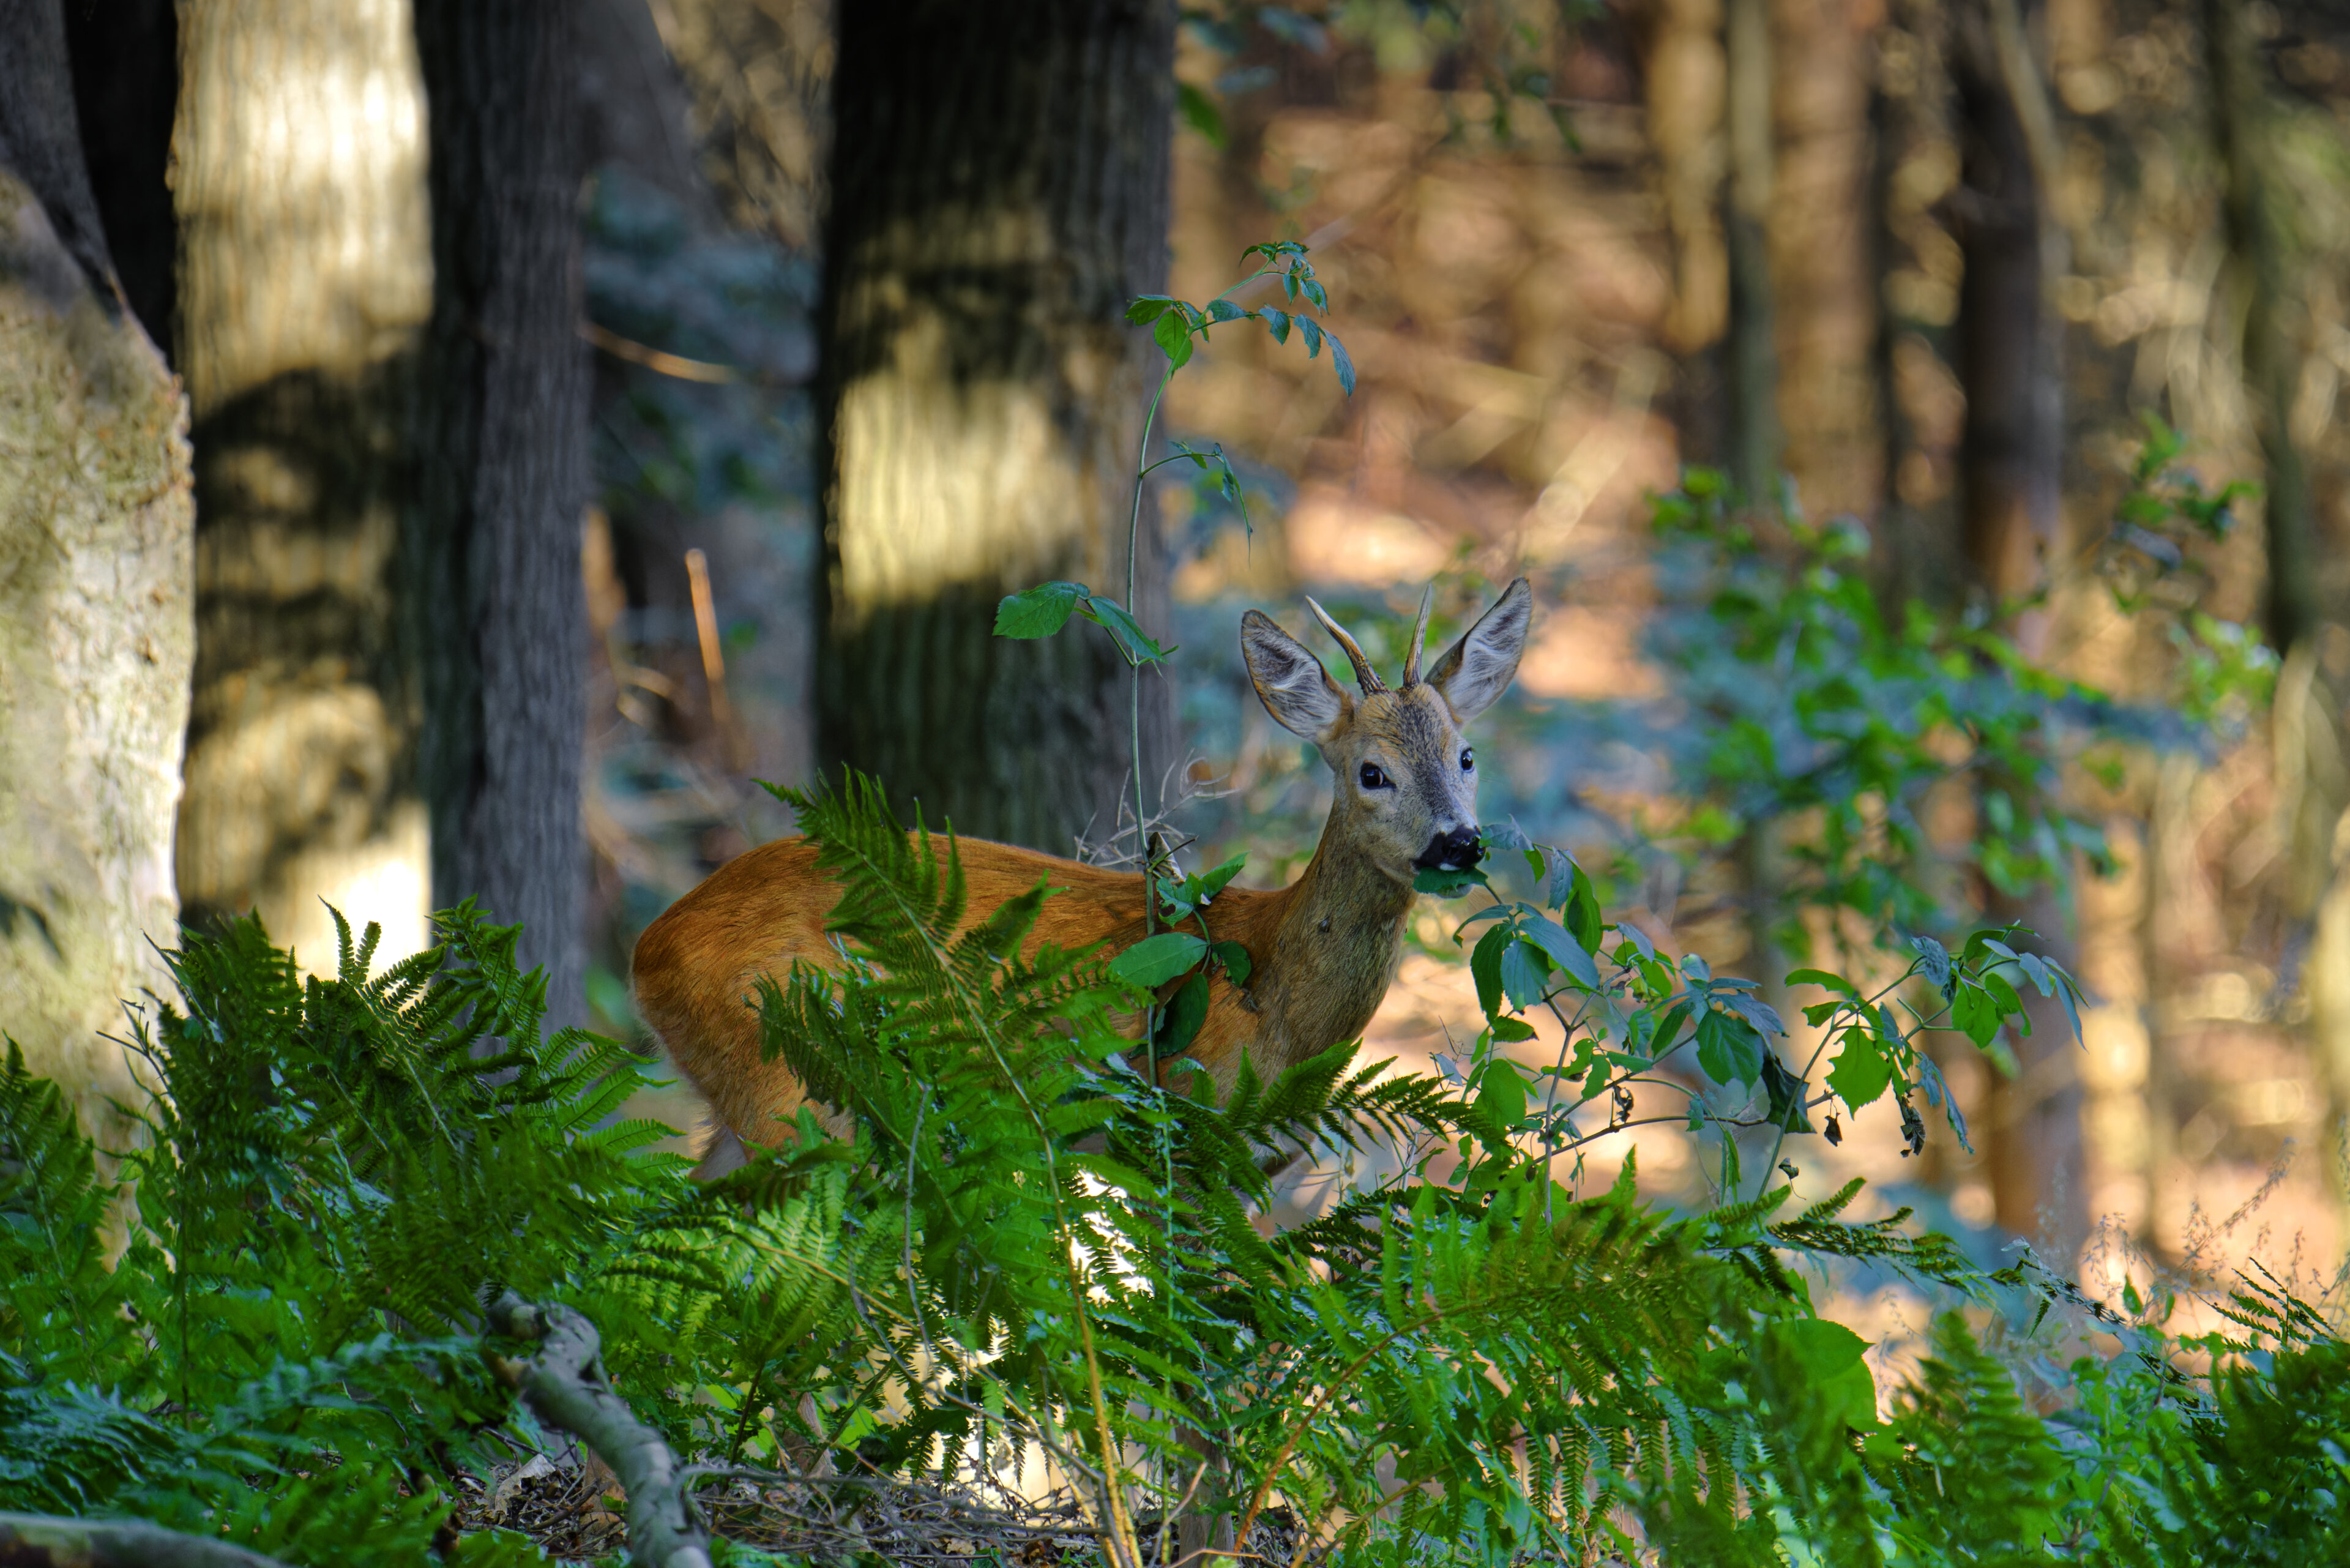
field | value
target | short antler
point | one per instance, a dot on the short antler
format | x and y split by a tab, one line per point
1364	675
1419	637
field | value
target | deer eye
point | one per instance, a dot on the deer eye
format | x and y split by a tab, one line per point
1374	778
1468	759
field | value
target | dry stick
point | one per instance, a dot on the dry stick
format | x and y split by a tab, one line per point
30	1540
566	1387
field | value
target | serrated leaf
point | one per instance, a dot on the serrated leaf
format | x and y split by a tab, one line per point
1145	308
1860	1073
1525	974
1039	612
1155	961
1501	1093
1173	336
1342	363
1275	322
1563	949
1137	647
1728	1049
1822	978
1935	960
1234	958
1312	334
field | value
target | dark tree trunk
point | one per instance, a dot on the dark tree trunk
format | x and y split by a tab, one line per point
2011	455
95	628
2257	241
2010	475
1000	188
502	475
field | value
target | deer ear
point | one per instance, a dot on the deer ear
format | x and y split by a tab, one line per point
1481	666
1290	681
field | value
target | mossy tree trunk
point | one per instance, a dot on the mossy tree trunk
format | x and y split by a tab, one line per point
502	476
96	631
306	284
999	189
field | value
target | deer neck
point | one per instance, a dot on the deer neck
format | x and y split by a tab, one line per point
1335	949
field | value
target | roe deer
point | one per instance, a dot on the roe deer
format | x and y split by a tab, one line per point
1321	950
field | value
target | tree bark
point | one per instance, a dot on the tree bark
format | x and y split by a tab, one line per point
126	77
307	283
2010	476
1752	350
501	450
1000	189
2258	242
94	628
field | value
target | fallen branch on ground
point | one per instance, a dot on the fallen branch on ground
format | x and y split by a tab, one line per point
566	1387
30	1541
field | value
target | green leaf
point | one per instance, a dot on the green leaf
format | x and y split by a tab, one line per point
1564	949
1275	322
1312	335
1145	308
1861	1071
1512	1030
1342	363
1827	1362
1233	959
1225	310
1154	961
1173	335
1525	974
1502	1094
1973	1011
1447	884
1179	1024
1936	959
1039	612
1199	111
1485	967
1728	1049
1787	1094
1124	630
1821	977
1217	878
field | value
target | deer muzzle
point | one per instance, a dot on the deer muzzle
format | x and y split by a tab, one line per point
1455	851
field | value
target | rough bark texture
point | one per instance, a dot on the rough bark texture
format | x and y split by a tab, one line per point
502	458
94	628
1000	188
307	282
2011	474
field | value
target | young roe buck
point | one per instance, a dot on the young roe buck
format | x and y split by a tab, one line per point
1321	950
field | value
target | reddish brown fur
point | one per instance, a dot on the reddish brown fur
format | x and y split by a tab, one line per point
698	965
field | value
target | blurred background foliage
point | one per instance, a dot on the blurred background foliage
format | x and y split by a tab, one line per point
1917	417
1531	217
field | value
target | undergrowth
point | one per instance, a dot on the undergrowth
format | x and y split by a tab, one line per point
1024	1247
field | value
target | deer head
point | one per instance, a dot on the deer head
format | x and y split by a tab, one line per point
1407	782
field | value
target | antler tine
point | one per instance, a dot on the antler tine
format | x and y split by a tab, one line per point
1419	637
1364	675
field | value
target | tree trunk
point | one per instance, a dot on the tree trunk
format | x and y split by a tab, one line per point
96	635
503	476
126	77
2257	241
2011	474
1000	189
1753	346
306	287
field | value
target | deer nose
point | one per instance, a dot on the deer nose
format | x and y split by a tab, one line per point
1455	851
